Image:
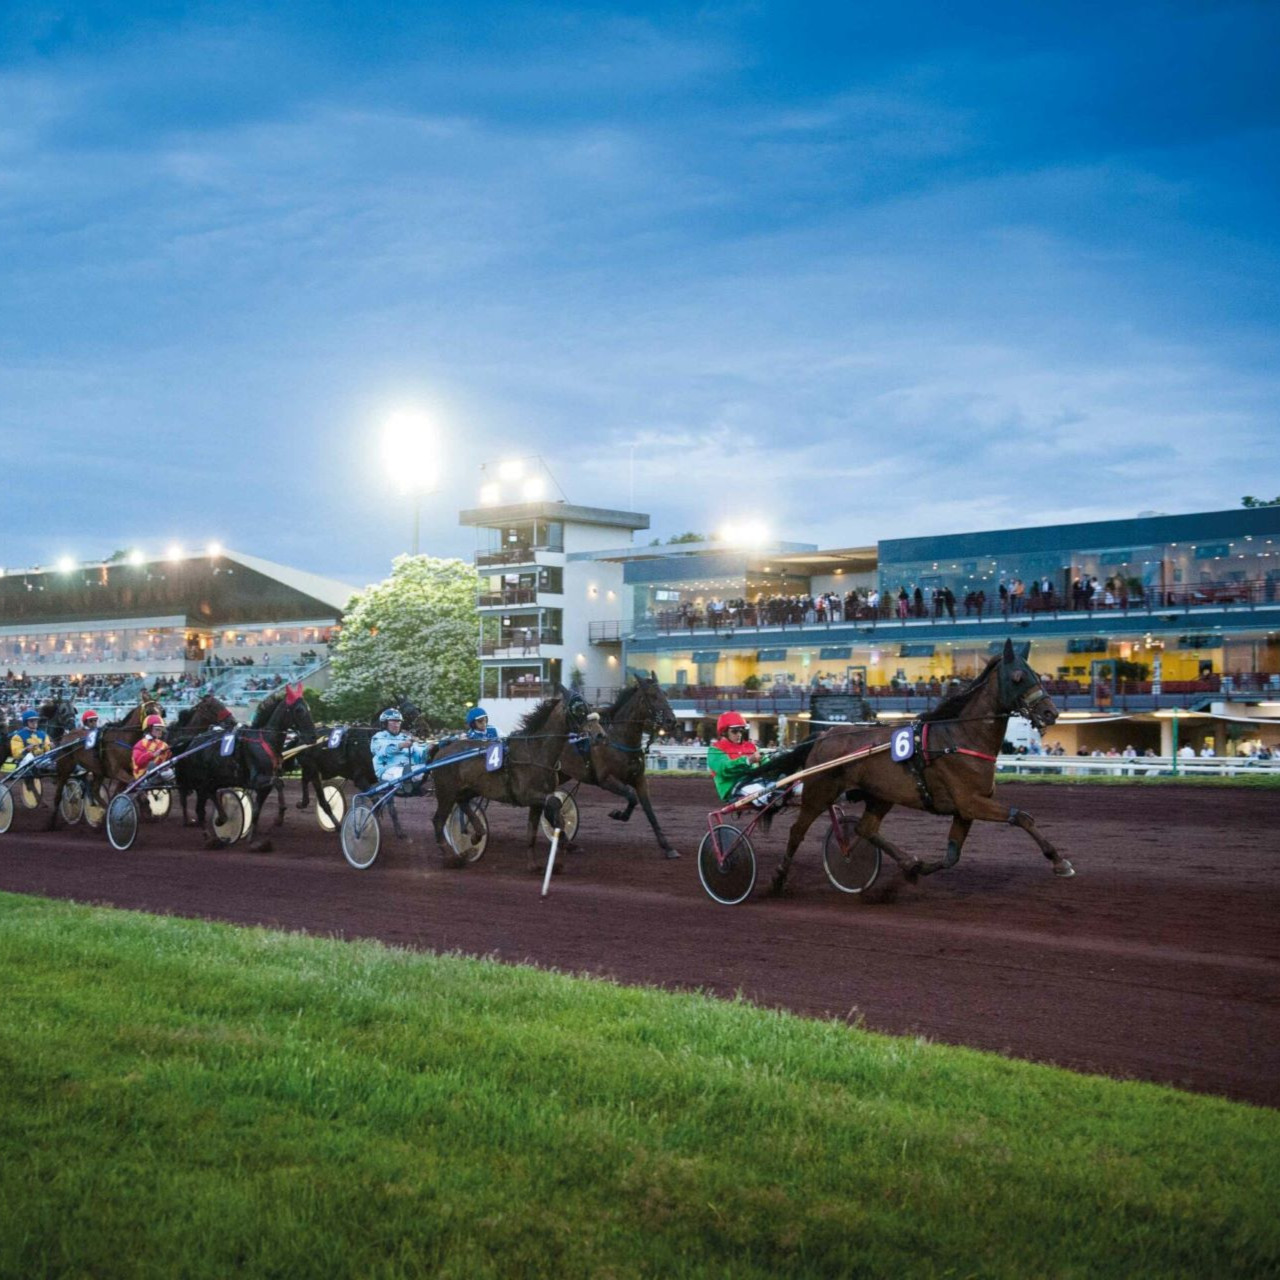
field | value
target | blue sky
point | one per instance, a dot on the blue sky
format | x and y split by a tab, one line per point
867	271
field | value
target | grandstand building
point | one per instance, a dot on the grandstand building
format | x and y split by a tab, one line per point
230	621
1129	621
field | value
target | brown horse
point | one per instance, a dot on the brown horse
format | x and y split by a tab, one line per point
108	760
531	760
616	763
951	771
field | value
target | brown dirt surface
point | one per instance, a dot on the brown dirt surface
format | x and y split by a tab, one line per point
1159	960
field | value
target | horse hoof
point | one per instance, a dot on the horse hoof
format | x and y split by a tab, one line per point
1063	868
670	854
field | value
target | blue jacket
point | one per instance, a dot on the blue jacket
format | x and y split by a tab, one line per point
395	749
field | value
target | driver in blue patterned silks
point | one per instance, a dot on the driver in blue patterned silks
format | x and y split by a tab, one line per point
30	740
395	754
478	725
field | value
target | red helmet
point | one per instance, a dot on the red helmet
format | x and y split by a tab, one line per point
90	717
730	720
153	722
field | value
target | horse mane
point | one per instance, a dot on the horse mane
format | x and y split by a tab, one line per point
614	709
538	717
952	705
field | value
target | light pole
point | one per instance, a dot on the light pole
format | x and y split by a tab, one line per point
411	451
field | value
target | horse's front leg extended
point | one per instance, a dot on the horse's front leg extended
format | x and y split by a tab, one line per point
990	809
642	791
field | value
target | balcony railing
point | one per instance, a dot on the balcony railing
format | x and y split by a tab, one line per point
788	614
512	596
604	632
521	554
519	643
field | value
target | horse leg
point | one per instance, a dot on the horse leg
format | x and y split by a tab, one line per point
955	842
989	809
804	820
869	829
642	791
261	795
395	820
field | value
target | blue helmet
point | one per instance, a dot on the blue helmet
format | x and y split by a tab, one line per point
391	713
476	713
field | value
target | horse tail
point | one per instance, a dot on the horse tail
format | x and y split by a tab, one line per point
782	763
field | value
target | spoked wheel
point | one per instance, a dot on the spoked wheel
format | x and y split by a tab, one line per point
468	835
95	809
30	790
6	808
851	863
159	803
246	810
71	806
568	817
727	865
361	834
122	822
231	828
337	801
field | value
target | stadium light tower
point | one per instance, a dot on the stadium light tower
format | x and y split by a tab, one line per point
411	451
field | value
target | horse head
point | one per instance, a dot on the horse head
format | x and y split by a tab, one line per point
657	709
1020	691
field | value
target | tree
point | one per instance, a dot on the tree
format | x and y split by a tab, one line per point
412	635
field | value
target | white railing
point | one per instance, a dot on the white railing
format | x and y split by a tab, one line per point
666	759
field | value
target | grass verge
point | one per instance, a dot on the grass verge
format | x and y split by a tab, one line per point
185	1098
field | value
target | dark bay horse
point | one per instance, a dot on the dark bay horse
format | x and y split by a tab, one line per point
532	758
616	762
108	760
951	771
250	763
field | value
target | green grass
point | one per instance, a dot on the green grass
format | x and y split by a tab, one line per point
185	1098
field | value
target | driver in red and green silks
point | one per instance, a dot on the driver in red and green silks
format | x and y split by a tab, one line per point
732	755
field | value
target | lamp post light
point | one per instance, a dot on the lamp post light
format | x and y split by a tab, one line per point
411	451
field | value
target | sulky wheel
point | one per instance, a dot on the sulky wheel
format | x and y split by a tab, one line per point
231	827
6	808
122	822
29	792
337	801
361	834
727	865
159	803
852	863
568	817
71	806
467	834
246	809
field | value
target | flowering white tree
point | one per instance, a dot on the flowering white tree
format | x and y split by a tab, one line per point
412	635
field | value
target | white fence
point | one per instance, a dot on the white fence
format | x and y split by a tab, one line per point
666	759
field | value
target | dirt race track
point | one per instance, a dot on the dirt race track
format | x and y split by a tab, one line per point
1159	960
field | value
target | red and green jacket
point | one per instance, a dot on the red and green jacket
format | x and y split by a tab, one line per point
728	761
